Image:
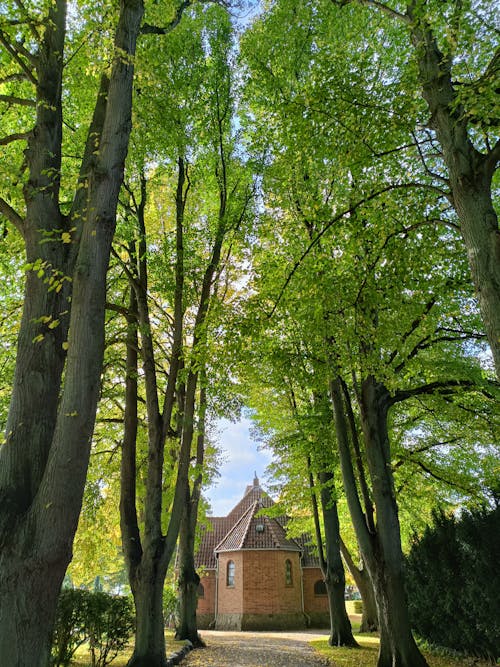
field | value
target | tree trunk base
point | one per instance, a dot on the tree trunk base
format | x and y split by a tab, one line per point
148	661
348	640
195	640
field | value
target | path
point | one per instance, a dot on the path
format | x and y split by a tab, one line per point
257	649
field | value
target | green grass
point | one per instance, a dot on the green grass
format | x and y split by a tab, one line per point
82	656
366	656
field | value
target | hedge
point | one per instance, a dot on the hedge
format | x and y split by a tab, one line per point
453	583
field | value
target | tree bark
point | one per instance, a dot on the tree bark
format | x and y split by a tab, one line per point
147	589
470	172
189	580
397	646
44	495
334	575
381	549
369	619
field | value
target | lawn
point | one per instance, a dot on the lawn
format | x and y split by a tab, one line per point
82	657
366	656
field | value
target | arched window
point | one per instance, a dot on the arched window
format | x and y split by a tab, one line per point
230	573
201	591
288	573
320	587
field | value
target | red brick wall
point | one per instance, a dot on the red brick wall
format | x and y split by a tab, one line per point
230	597
313	602
206	604
265	589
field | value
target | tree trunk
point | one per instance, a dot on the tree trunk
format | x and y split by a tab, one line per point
147	589
470	172
188	577
381	550
148	555
37	530
22	641
397	646
188	583
369	619
340	625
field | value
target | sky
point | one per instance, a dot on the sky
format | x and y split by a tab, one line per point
242	460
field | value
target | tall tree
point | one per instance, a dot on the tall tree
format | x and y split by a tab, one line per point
455	48
44	459
212	194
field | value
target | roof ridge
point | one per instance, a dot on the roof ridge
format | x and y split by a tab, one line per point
233	527
251	513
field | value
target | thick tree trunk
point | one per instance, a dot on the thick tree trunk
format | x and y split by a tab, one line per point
36	531
340	625
147	588
469	172
397	646
381	549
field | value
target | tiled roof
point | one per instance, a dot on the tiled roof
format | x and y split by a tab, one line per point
242	529
254	493
309	557
257	532
217	528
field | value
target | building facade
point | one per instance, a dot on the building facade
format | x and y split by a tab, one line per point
254	577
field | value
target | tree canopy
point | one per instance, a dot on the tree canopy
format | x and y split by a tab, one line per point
289	206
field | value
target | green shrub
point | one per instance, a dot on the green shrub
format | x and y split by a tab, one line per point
110	625
69	628
453	581
105	621
358	606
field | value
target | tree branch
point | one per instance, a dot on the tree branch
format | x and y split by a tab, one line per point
18	136
11	99
16	76
148	29
339	216
14	51
393	13
8	212
30	22
492	159
441	386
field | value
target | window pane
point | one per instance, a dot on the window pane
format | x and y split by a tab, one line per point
230	573
320	587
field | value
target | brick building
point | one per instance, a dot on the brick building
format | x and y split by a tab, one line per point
253	576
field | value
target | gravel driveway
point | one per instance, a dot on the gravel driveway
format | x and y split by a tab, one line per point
256	649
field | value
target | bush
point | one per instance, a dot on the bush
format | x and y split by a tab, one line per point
358	606
105	621
69	628
110	625
453	582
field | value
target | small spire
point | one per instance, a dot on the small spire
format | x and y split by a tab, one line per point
255	480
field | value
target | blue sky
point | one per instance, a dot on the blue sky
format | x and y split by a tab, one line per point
242	460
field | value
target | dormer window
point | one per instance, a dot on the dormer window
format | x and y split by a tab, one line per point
259	527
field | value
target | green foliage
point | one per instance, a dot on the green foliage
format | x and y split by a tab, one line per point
453	582
110	624
170	604
69	630
105	621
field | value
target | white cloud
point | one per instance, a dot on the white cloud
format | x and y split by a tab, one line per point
242	461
